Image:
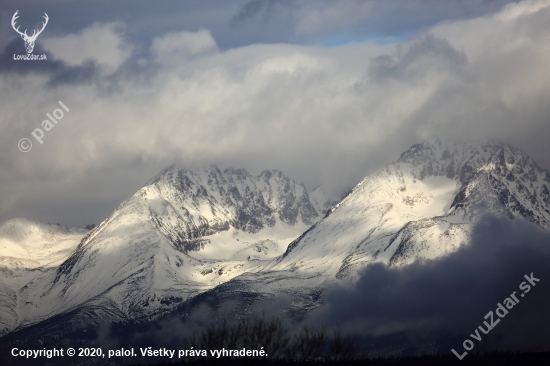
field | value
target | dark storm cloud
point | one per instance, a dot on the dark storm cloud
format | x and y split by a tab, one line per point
365	18
74	75
15	47
59	72
255	7
238	23
442	302
412	64
249	10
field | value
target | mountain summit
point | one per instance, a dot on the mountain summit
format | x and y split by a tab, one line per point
189	206
230	236
183	233
422	206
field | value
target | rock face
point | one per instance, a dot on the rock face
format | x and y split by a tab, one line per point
183	233
187	206
502	177
227	236
422	207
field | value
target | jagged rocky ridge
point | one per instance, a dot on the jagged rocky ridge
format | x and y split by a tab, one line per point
421	207
222	236
188	206
183	233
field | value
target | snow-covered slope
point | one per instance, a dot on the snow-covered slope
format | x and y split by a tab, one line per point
27	244
227	235
421	207
27	250
206	212
183	233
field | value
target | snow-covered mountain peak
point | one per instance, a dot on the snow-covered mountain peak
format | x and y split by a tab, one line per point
189	230
184	232
190	205
460	160
422	206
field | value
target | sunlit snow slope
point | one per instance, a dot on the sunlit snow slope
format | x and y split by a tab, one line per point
421	207
28	250
183	233
227	235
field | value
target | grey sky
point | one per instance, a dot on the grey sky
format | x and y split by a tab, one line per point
326	91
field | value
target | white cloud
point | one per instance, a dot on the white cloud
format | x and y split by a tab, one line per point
322	115
100	42
526	7
184	44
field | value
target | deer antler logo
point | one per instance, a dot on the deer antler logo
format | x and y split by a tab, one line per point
29	41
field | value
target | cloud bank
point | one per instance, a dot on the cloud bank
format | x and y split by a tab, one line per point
438	304
323	115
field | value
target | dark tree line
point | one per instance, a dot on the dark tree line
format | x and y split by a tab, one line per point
277	341
307	346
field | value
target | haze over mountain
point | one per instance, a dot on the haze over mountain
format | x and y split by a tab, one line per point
230	236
